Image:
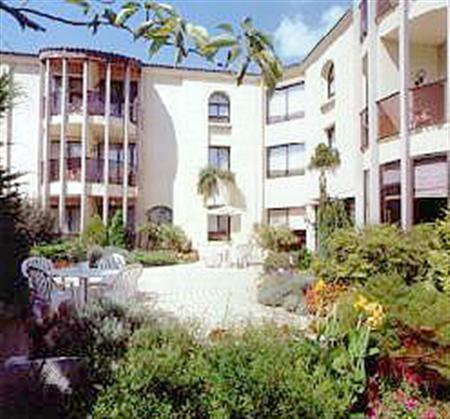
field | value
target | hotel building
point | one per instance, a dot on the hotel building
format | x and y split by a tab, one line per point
94	131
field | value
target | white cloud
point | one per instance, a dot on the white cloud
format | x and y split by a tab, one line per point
294	38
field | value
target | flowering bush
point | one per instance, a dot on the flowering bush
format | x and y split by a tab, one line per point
322	296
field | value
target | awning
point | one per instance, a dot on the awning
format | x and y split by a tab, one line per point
225	210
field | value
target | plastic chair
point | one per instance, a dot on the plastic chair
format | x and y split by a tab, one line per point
114	261
123	288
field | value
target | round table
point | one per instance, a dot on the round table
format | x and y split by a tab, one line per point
86	275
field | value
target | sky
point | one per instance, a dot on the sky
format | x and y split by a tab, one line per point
295	25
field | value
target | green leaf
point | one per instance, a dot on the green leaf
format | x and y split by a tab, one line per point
84	4
143	27
226	27
127	11
222	41
156	45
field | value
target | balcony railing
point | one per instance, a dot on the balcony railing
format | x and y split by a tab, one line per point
73	169
94	171
96	105
389	116
364	120
383	6
428	105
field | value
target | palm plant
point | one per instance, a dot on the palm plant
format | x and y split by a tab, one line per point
324	159
209	179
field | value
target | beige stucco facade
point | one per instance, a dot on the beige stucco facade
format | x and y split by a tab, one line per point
383	105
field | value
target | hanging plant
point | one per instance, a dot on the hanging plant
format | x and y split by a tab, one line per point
209	178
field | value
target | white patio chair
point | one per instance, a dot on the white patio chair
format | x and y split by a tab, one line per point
212	258
123	288
37	262
114	261
38	271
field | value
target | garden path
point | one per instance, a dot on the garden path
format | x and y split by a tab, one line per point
211	298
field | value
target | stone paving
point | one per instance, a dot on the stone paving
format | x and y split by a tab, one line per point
211	298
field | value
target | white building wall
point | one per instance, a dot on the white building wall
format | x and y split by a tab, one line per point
175	148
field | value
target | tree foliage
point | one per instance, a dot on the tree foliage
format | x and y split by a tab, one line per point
324	159
160	25
116	231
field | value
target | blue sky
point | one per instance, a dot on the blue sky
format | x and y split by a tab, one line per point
296	25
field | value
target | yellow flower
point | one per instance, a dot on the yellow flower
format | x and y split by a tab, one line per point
320	285
361	303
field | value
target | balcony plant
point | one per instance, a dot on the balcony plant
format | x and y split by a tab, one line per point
210	179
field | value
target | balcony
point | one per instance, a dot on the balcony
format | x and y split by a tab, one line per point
388	116
96	105
383	6
364	122
94	171
428	105
427	108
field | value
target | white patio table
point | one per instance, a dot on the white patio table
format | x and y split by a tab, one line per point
87	276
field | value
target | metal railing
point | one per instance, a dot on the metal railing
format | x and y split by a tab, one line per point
428	105
96	105
388	116
94	171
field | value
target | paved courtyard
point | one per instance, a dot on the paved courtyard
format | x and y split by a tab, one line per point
210	297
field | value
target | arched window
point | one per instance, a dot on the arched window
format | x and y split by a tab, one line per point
330	81
219	107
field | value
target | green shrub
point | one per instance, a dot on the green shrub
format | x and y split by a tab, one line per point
172	237
95	233
163	237
262	373
278	262
275	239
155	258
285	291
304	259
38	222
354	256
116	231
69	250
331	216
14	245
99	335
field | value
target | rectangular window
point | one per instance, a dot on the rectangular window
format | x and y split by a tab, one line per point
293	218
286	103
390	189
219	157
219	227
286	160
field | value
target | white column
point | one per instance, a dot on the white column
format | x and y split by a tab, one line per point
46	136
125	144
374	173
106	143
406	194
84	144
62	152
